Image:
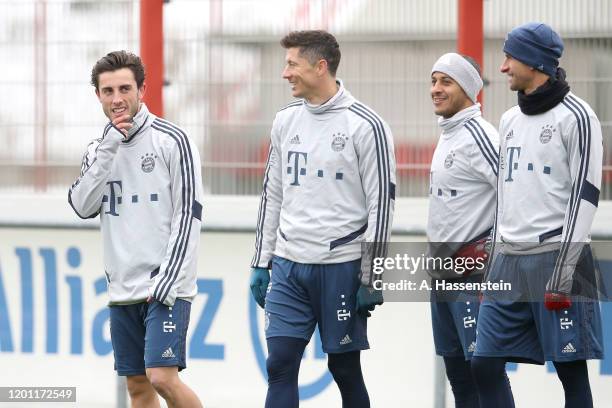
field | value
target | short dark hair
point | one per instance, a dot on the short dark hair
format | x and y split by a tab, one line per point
474	64
315	45
116	60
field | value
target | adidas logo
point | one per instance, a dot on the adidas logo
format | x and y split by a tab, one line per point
472	347
295	140
168	353
345	340
569	348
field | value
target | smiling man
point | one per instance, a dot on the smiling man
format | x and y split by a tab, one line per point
463	181
550	176
143	177
329	185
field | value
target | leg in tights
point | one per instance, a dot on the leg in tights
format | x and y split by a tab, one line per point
283	366
346	370
575	379
459	375
492	382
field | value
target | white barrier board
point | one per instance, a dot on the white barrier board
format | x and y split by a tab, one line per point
54	332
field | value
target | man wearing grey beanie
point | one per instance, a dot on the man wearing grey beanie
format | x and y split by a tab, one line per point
548	191
463	180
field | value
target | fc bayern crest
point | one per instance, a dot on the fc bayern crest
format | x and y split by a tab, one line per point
547	133
338	142
448	162
148	162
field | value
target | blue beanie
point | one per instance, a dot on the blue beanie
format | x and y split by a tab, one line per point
536	45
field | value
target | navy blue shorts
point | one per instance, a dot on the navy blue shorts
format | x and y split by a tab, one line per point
149	335
527	331
301	296
454	323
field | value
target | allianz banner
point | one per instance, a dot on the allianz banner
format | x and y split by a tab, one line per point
54	331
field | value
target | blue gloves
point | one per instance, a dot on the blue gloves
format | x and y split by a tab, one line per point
367	299
260	279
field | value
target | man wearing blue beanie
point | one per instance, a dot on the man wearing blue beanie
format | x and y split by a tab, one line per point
548	191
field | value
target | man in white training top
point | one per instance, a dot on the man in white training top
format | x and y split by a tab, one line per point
329	185
143	177
549	181
461	210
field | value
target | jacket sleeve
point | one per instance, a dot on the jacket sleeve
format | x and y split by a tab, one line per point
484	159
583	141
376	157
499	185
186	190
85	194
269	204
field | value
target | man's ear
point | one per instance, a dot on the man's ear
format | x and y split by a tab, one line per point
142	90
322	67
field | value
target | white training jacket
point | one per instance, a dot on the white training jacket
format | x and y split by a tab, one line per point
463	181
148	192
549	182
329	184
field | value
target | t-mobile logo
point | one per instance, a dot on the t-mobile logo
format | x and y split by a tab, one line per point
169	327
343	314
115	197
512	164
468	322
296	170
566	323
